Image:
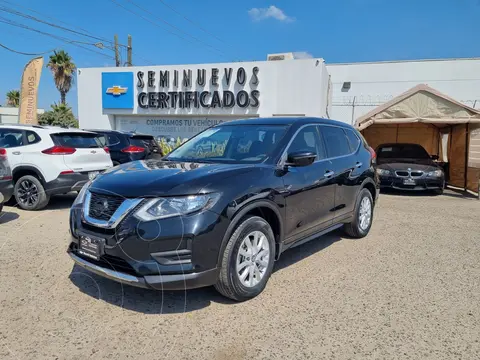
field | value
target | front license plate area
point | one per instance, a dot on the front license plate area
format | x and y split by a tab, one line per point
91	247
409	182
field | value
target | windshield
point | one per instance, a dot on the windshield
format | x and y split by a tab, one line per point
231	144
402	151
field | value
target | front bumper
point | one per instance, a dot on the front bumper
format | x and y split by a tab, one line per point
170	254
421	183
156	282
6	190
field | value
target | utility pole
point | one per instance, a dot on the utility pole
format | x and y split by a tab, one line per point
129	51
117	54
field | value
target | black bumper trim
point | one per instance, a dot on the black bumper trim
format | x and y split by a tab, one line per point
66	183
157	282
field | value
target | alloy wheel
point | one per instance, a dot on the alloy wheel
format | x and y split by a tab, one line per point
365	213
253	258
28	193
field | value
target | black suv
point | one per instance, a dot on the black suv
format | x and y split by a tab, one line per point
6	179
222	217
127	146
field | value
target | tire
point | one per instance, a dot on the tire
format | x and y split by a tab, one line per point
115	163
356	229
438	191
21	192
229	283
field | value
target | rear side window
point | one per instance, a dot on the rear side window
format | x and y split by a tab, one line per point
10	138
353	139
77	140
144	141
336	141
112	140
32	137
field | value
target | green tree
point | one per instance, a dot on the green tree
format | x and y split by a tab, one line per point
62	68
60	115
13	98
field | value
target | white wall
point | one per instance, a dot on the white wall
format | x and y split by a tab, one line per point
9	115
286	88
375	83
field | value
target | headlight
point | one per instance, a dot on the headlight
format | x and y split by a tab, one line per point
161	208
436	173
383	172
81	194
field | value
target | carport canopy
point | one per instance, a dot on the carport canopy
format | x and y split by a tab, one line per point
442	125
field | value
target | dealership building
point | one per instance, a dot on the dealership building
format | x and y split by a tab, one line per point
180	100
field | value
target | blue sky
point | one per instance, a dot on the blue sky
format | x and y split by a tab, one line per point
337	30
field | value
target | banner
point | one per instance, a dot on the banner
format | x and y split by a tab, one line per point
29	91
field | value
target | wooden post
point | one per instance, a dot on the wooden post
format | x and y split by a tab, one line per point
129	51
117	54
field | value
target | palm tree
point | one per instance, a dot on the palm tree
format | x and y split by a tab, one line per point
13	98
62	68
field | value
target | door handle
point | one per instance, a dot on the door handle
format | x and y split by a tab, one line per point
328	173
16	152
358	164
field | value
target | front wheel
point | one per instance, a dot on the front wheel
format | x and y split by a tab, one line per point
247	261
30	193
363	216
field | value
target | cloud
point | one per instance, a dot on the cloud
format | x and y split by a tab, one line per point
302	55
258	14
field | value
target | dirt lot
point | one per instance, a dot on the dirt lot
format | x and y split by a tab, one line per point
410	290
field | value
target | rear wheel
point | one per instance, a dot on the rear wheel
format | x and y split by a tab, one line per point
247	261
30	193
363	216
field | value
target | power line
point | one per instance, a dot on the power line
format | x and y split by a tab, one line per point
24	53
191	21
30	17
156	24
175	27
61	38
83	32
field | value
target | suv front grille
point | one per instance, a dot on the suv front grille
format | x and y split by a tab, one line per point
102	207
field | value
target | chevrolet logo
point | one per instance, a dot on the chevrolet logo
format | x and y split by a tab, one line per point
116	90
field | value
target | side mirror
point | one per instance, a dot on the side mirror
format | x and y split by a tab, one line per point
434	157
301	158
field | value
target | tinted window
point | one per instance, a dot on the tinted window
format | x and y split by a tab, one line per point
231	144
408	151
10	138
112	140
335	140
353	139
77	140
307	139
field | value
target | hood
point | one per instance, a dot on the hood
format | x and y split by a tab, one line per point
151	178
405	164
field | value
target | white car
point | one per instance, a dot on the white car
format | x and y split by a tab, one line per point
47	160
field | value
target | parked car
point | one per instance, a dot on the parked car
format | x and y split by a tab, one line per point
6	179
192	220
409	167
129	146
47	160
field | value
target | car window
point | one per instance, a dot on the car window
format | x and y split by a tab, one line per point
353	139
112	140
32	137
102	139
405	151
231	144
76	140
335	140
307	139
10	138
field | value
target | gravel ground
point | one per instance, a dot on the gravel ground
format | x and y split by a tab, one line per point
410	290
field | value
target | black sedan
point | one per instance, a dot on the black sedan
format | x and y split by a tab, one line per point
408	167
223	215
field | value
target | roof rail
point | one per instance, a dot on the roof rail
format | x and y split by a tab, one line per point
25	125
